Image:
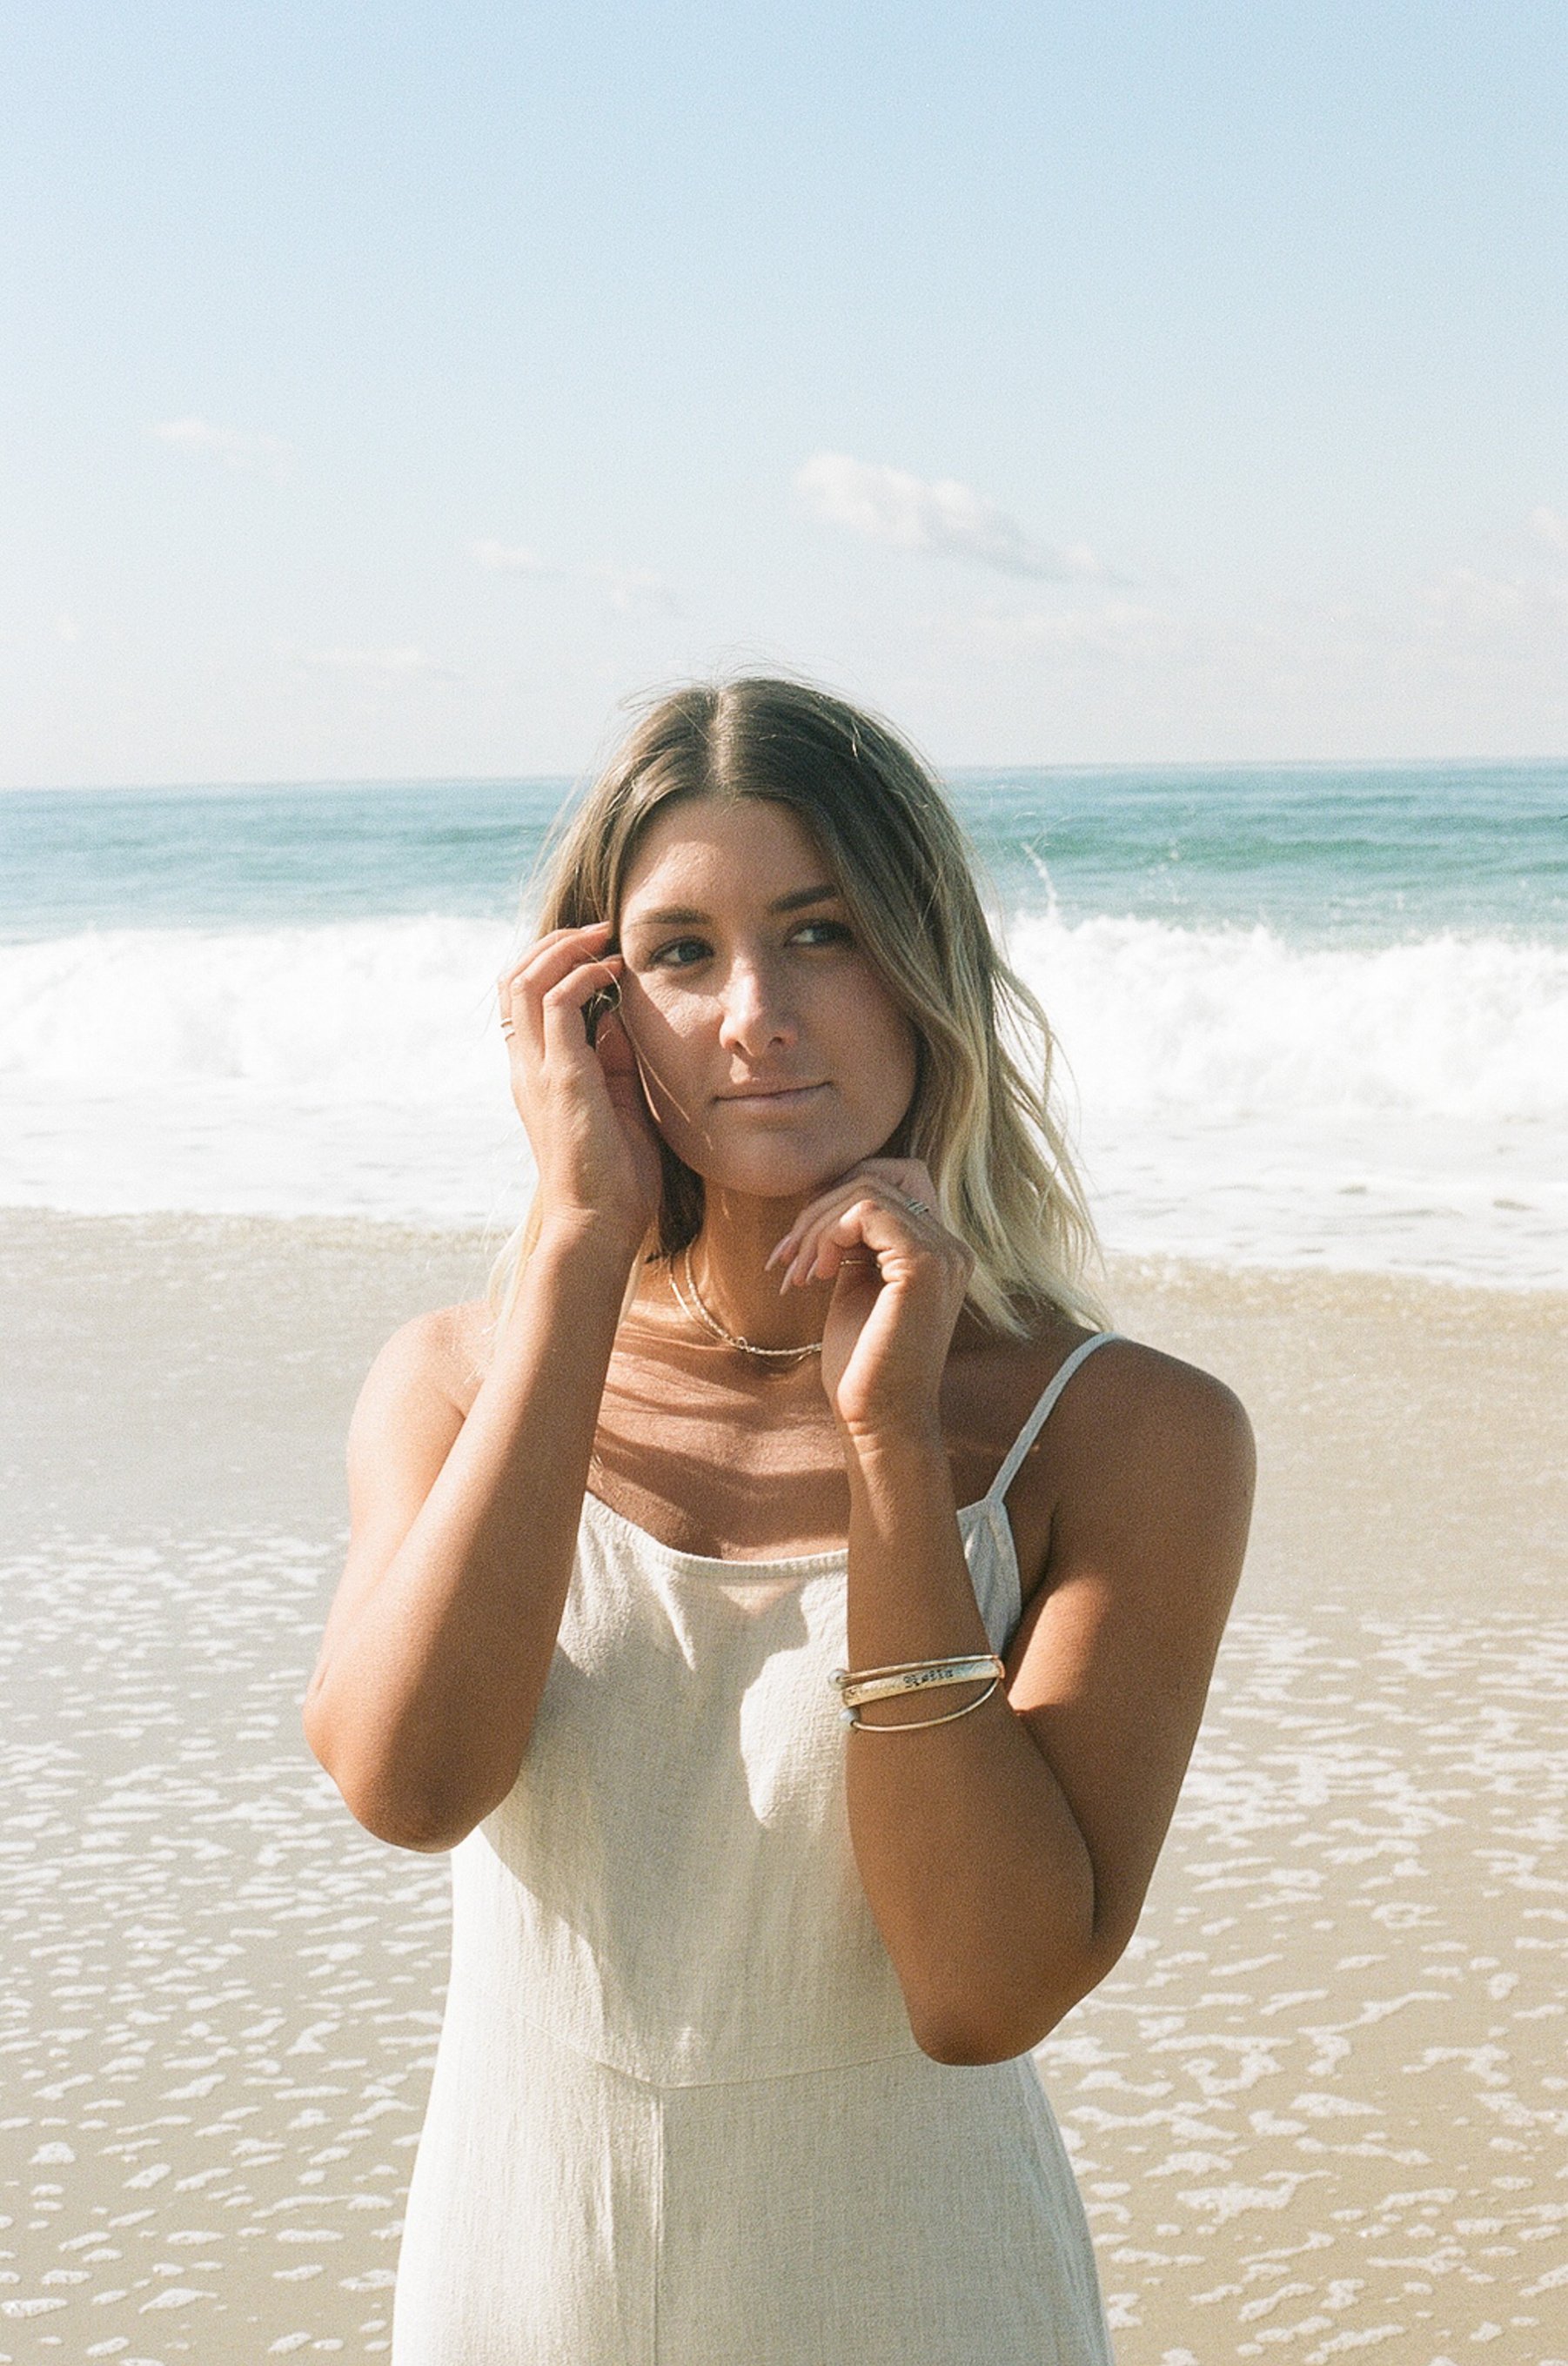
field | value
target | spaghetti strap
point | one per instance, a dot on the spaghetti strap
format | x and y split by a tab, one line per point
1036	1422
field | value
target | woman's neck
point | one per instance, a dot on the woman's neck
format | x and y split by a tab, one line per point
727	1267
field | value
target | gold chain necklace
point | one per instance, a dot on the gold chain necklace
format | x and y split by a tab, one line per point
700	1314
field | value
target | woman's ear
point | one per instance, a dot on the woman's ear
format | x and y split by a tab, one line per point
598	1005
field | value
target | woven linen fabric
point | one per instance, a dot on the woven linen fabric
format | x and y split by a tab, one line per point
678	2117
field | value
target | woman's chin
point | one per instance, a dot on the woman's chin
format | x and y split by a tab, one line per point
772	1173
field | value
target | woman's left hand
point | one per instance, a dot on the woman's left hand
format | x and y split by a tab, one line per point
899	1279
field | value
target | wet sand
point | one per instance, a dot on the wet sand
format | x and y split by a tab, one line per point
1320	2109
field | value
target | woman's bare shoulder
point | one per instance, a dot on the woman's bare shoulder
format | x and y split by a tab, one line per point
445	1350
1163	1397
1128	1382
1135	1424
462	1341
1150	1401
1145	1436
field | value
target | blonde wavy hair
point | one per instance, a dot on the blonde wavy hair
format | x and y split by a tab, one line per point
983	1116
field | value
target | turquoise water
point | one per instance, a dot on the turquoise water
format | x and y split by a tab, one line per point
1321	854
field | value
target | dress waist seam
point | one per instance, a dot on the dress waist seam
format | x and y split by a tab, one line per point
655	2085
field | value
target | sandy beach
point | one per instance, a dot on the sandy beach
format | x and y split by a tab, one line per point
1319	2109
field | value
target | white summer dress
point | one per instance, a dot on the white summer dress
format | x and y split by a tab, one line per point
678	2117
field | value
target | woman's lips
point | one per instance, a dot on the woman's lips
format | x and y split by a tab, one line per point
773	1097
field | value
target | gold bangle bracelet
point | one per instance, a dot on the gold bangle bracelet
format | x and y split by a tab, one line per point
856	1686
917	1724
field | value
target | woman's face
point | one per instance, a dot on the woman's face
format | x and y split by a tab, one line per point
772	1055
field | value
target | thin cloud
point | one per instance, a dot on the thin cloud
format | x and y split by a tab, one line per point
906	513
233	448
629	587
1551	527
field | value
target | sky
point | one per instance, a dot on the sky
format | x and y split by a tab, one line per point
395	391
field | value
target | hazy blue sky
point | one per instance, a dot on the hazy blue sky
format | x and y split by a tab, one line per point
390	389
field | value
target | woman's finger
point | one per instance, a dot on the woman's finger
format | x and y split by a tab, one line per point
543	944
846	1237
868	1227
523	989
872	1234
880	1218
803	1262
790	1249
545	950
908	1177
904	1182
562	1004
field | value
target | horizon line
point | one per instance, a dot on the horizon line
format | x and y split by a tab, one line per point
968	771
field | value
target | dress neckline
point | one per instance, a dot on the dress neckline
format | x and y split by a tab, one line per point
807	1565
739	1571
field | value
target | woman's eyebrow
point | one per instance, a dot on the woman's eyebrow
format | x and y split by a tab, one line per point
684	914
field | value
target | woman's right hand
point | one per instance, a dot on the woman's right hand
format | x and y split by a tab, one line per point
582	1104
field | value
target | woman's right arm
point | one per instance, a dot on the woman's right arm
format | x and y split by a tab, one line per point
463	1532
463	1528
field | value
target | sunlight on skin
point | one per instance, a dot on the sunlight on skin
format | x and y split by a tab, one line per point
739	969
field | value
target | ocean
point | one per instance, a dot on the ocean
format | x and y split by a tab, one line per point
1309	1016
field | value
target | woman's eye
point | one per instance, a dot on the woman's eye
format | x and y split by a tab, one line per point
684	953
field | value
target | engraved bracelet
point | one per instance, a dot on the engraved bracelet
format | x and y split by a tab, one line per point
915	1724
858	1685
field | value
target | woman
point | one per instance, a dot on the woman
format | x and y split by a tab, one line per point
748	1956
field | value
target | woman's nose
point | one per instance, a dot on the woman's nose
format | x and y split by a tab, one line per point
755	1014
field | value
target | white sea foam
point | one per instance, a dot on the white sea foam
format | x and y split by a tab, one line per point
1239	1022
368	1009
1238	1095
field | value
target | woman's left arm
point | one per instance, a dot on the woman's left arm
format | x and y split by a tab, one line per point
1006	1854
